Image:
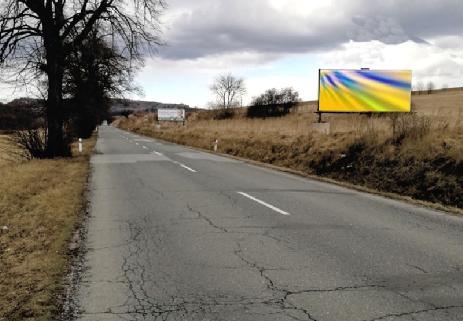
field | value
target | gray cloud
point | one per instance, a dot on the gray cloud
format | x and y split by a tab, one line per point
384	29
212	27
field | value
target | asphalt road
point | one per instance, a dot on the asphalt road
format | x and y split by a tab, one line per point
178	234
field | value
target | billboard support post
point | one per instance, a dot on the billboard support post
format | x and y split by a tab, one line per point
318	112
394	117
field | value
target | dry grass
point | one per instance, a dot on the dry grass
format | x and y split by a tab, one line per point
442	106
422	159
9	154
40	206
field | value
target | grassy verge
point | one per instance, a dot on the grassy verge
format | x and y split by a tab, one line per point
41	202
8	154
423	160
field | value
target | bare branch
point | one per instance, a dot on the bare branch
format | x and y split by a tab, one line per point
40	35
227	89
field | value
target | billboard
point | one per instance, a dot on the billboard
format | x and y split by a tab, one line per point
171	114
365	90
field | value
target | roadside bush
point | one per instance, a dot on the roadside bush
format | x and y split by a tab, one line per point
32	143
273	103
223	113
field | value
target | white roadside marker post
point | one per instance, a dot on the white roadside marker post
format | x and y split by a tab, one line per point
80	145
216	144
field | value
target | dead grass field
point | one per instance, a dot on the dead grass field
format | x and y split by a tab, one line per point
41	202
8	153
423	159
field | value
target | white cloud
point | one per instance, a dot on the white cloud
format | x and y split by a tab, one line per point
428	62
306	86
192	77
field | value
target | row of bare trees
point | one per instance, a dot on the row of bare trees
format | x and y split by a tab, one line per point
41	39
420	87
229	91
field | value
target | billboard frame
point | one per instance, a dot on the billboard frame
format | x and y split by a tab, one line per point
359	112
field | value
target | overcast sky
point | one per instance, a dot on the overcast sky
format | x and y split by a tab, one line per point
283	43
280	43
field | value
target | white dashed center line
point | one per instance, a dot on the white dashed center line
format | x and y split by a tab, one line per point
276	209
185	167
160	154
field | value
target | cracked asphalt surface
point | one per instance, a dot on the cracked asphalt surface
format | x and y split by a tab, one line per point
171	238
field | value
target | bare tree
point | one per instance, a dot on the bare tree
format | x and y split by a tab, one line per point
94	74
419	87
39	35
430	87
228	90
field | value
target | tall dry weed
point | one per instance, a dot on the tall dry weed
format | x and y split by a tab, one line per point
411	126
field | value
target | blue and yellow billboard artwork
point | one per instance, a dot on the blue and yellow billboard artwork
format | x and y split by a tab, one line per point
365	90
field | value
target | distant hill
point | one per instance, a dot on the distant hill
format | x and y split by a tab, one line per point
21	113
127	106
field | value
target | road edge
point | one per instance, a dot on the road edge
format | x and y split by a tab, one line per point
444	209
69	307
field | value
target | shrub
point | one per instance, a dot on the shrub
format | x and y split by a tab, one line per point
273	103
32	143
223	113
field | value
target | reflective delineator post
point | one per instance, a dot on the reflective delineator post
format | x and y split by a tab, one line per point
216	144
80	145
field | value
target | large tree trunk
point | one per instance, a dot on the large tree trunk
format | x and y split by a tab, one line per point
57	144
